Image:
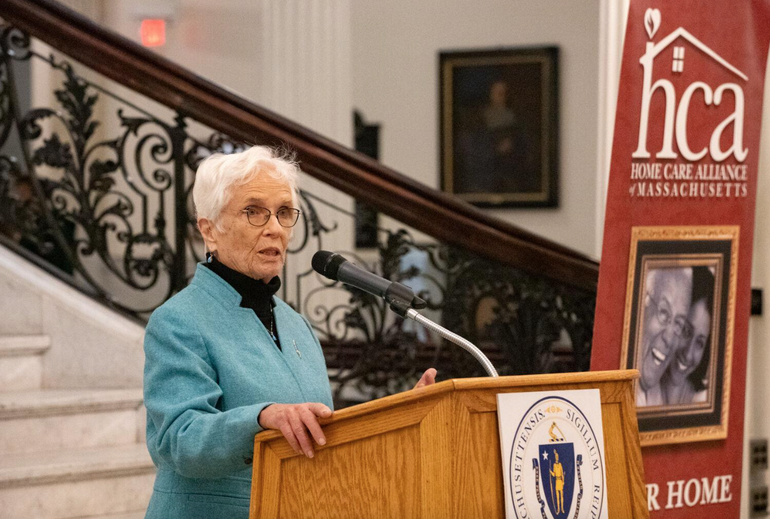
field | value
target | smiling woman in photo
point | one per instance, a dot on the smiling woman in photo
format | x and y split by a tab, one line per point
684	382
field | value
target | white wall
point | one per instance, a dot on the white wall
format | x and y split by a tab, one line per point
290	56
394	49
218	40
395	46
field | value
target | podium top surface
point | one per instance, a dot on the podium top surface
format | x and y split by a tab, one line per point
466	384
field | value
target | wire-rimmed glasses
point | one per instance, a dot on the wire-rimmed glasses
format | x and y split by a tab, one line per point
259	216
665	317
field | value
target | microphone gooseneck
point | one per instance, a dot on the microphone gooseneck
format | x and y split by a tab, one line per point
455	339
400	297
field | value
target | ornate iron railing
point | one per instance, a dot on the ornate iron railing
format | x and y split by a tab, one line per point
99	184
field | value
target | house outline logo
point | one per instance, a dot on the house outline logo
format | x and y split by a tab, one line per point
676	117
556	468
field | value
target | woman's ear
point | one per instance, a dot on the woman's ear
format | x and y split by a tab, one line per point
208	232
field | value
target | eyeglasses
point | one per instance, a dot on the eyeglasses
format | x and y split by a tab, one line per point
259	216
664	314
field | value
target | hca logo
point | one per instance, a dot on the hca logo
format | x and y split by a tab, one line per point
676	117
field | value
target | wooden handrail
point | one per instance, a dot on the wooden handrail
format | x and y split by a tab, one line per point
437	214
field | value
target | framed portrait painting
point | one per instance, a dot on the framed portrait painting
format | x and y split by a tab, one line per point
678	330
499	126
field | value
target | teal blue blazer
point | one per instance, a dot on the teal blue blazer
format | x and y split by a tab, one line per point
210	369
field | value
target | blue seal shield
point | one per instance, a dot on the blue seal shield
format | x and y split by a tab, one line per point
557	475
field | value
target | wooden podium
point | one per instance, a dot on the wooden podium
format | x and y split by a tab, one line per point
434	452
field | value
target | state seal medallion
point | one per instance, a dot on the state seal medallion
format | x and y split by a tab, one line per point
553	455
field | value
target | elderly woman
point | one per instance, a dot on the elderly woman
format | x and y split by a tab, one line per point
225	358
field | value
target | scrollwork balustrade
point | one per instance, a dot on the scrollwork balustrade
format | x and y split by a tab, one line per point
100	186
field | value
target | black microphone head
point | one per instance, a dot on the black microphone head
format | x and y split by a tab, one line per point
327	263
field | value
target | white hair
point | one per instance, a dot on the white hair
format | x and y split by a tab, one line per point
651	283
219	173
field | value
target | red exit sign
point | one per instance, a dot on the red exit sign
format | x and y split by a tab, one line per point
153	32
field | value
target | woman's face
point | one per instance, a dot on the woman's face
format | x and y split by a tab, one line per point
690	352
258	252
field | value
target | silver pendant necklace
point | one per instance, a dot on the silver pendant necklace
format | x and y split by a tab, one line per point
272	320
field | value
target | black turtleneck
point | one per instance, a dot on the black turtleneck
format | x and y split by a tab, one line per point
255	293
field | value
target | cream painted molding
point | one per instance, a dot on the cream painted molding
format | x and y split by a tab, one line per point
304	55
612	29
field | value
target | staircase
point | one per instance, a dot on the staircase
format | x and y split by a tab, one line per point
71	416
64	452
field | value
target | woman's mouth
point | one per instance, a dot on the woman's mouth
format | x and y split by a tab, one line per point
681	366
271	252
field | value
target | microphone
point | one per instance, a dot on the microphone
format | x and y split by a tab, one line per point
400	297
335	267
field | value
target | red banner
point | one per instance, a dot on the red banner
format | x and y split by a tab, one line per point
674	283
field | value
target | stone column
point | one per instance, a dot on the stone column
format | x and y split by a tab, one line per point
305	54
612	24
305	60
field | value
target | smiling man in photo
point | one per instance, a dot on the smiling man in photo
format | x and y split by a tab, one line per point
666	305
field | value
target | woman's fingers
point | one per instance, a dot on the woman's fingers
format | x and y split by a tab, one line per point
295	421
288	433
300	432
311	422
428	378
319	409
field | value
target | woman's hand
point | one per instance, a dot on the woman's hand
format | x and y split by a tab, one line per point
428	378
294	421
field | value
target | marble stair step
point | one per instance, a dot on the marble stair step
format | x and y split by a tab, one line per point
21	361
49	420
11	345
76	483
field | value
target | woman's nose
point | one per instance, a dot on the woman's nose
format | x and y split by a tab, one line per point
272	226
689	353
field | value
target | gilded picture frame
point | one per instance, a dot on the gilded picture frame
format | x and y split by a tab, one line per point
499	126
678	330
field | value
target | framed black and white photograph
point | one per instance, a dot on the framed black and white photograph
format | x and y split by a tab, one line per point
499	126
678	330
